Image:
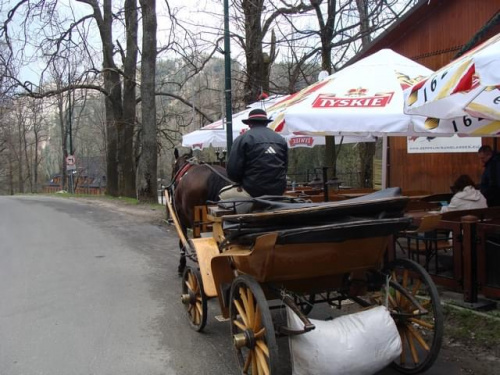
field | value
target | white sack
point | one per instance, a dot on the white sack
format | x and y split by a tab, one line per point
355	344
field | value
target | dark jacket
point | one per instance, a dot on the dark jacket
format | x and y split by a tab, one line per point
490	181
258	161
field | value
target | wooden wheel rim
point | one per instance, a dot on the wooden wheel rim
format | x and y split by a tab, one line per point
196	307
251	319
421	334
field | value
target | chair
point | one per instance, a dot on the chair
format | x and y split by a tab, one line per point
426	240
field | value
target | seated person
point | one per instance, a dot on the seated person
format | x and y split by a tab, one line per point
465	197
257	162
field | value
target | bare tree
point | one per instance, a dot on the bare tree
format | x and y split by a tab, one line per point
146	184
257	18
344	26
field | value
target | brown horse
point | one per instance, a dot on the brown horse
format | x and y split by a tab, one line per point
194	185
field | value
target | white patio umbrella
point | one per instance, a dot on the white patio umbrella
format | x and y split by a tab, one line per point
466	91
214	134
363	98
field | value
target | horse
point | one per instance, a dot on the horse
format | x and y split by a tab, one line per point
194	185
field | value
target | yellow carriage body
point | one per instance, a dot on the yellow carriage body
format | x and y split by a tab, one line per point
300	267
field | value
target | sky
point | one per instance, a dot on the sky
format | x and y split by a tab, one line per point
196	11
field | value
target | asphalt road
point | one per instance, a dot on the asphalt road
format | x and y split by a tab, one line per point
85	290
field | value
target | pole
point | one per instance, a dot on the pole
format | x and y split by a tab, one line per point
384	161
227	86
71	188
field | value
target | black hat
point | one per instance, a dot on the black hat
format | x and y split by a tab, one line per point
257	116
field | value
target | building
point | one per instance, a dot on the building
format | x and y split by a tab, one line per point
432	34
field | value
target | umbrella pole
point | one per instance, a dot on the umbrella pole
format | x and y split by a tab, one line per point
384	161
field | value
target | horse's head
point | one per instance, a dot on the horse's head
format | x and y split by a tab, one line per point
180	161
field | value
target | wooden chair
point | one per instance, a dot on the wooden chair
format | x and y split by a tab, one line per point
426	240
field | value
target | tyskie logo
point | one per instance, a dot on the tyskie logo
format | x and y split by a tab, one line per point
355	98
301	141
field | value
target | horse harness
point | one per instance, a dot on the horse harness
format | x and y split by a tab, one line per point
188	165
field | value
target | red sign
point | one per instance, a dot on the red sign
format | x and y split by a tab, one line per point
301	141
332	101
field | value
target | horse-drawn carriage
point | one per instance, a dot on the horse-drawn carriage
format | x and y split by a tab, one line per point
301	254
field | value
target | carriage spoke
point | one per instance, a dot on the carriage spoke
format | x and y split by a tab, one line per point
411	344
241	312
418	337
191	281
238	324
398	295
254	363
405	278
262	346
198	308
416	287
261	359
258	320
251	309
422	323
246	306
248	361
261	333
402	356
196	316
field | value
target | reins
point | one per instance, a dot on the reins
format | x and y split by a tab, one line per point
218	173
189	163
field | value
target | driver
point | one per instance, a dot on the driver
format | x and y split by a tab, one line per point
258	160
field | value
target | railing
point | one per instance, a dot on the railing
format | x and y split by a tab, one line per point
476	254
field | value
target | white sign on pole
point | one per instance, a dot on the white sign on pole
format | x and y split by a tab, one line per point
70	163
70	160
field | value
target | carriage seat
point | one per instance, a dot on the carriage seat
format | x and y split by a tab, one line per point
348	229
279	202
276	214
273	203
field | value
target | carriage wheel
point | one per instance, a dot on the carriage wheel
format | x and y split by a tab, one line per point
421	334
194	299
252	328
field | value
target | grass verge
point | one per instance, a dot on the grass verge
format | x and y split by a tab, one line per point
472	329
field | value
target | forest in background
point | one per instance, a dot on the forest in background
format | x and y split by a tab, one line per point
120	83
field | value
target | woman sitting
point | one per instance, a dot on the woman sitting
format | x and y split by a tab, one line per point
465	197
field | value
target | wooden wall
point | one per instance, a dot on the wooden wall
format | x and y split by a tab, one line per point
432	35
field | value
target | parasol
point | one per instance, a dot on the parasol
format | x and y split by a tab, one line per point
466	92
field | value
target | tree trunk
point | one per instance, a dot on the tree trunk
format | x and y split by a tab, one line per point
11	173
126	137
111	151
147	184
19	153
366	150
114	109
366	154
256	81
63	140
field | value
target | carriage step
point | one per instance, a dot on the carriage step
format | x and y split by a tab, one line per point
220	318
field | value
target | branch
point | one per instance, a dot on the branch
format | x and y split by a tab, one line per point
186	102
